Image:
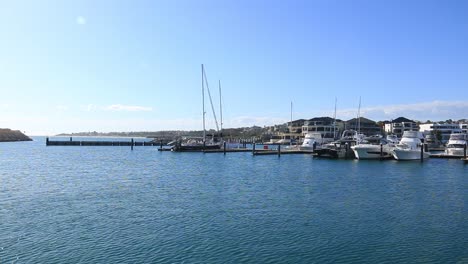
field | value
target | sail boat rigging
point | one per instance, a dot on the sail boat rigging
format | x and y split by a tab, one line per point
197	144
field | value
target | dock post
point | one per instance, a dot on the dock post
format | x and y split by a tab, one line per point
279	150
160	144
314	146
132	144
71	139
464	151
47	141
422	152
426	147
253	149
381	151
224	148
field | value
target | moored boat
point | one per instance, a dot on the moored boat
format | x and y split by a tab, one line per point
410	147
374	148
456	145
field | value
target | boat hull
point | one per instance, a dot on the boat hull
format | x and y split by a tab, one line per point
403	154
195	148
455	152
372	152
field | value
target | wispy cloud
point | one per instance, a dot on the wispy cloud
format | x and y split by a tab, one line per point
116	108
62	107
81	20
130	108
435	110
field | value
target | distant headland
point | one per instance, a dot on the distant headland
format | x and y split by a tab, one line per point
8	135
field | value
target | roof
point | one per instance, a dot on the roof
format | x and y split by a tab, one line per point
402	119
362	120
323	119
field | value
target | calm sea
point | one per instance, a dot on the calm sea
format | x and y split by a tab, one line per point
113	205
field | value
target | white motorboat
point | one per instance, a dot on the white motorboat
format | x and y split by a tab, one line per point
456	144
374	148
312	138
341	148
409	147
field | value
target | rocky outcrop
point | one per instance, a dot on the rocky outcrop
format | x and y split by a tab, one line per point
8	135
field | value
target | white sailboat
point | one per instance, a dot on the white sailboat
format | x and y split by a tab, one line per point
197	143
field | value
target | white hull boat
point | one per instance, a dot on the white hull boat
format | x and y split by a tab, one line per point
456	145
370	151
409	147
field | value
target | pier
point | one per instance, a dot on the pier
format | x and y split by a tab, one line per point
72	142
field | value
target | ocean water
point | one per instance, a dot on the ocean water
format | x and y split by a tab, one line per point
113	205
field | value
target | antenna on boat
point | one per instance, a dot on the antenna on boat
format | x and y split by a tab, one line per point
220	108
203	102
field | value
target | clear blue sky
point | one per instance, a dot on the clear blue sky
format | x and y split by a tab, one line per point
135	65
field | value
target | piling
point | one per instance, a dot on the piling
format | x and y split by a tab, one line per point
422	152
131	145
279	150
426	147
47	141
314	146
381	151
160	144
224	148
464	151
253	149
71	139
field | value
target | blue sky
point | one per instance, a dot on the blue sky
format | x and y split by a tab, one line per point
68	66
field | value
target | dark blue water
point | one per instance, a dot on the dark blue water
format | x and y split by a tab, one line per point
112	205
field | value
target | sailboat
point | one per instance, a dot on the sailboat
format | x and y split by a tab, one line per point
201	143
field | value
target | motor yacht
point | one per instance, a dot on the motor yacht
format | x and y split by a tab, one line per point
409	147
456	144
374	147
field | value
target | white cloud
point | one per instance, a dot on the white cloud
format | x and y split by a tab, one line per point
116	108
62	107
130	108
80	20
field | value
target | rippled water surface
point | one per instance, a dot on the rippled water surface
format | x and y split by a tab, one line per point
113	205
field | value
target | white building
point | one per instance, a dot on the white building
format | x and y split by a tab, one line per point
400	125
464	128
443	129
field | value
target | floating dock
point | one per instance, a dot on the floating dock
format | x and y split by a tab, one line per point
445	156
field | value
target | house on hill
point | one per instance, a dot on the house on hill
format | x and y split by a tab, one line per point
363	125
400	125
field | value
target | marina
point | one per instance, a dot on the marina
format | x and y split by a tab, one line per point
91	202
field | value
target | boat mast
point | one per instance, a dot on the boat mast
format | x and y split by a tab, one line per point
334	122
290	132
203	102
211	102
220	108
359	116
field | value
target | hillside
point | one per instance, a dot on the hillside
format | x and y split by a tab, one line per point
8	135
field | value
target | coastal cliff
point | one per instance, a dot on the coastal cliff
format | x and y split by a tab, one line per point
8	135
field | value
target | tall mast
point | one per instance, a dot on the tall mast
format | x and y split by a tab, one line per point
290	132
220	108
359	116
203	102
334	121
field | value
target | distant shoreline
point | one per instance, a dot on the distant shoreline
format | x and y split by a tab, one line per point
8	135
